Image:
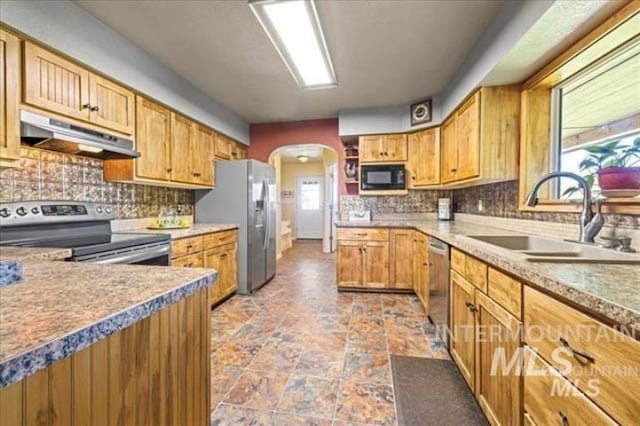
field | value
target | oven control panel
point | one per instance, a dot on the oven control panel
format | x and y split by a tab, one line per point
41	212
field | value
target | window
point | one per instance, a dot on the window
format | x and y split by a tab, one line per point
310	195
598	106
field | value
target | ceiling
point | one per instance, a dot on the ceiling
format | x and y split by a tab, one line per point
290	154
384	52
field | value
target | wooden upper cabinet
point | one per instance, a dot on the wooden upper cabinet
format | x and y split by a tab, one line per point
9	99
480	139
381	148
153	140
223	147
424	157
182	147
112	106
55	84
203	154
449	149
395	148
468	138
63	87
371	148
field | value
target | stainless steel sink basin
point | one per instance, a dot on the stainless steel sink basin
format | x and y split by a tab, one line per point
540	249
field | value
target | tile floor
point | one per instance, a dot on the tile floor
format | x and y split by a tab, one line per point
298	352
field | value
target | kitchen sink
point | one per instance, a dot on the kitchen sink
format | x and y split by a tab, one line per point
540	249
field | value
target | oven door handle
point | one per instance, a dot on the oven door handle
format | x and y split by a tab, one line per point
128	258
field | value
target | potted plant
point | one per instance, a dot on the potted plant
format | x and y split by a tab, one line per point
616	166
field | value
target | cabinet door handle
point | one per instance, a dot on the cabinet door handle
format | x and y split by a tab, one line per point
413	177
360	250
454	170
576	353
471	307
563	418
189	265
386	153
364	249
381	153
223	256
87	106
169	170
95	108
189	247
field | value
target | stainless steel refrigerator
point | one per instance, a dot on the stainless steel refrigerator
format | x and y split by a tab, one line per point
245	194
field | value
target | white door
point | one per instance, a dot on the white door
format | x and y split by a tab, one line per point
309	207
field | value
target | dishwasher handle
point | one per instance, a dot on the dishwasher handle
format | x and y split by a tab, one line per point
438	247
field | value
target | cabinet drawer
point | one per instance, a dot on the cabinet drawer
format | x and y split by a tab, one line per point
422	240
221	249
185	246
220	238
506	291
550	399
362	234
458	261
189	261
476	272
594	351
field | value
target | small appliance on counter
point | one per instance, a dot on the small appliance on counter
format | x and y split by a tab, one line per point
445	210
360	216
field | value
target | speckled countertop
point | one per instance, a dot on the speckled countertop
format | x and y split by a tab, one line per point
610	291
62	307
193	231
33	253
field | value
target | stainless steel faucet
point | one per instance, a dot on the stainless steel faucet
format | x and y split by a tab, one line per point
590	224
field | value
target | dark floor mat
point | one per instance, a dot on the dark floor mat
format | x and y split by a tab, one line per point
432	392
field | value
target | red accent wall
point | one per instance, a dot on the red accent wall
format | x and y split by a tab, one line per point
267	137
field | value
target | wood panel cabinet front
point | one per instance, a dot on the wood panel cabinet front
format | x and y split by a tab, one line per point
349	263
182	144
224	146
468	138
9	99
154	372
112	106
375	264
371	148
449	150
499	337
202	156
401	258
424	157
153	140
55	84
462	324
551	399
395	147
599	360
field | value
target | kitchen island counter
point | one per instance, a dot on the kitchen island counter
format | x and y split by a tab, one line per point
60	308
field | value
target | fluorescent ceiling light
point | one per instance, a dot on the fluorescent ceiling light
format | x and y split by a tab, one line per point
303	158
294	29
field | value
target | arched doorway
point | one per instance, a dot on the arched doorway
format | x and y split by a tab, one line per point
307	193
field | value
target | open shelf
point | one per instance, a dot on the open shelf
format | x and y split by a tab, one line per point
352	157
352	182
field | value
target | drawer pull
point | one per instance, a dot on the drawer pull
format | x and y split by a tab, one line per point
223	256
189	265
189	246
576	353
361	234
564	418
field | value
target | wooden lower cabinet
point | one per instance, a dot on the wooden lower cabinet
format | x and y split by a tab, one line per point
363	264
401	258
217	250
551	399
462	344
223	259
157	371
498	344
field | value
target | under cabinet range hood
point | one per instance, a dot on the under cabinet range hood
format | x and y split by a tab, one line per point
56	135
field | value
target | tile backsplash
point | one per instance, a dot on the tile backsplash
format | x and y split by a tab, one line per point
48	175
498	199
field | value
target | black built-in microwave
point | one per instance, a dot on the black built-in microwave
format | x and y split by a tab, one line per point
381	177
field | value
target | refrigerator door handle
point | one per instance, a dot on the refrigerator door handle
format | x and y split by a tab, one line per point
265	187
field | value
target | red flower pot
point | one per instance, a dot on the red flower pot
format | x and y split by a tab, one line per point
619	178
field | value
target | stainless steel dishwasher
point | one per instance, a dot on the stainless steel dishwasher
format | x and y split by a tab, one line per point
439	286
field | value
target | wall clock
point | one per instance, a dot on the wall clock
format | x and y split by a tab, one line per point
421	112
